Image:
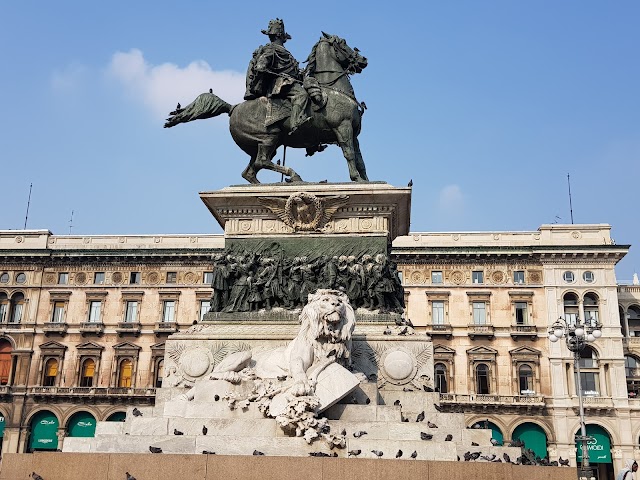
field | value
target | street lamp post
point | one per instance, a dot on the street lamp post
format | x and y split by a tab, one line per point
576	335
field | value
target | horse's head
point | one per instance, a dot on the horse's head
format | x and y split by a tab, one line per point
348	58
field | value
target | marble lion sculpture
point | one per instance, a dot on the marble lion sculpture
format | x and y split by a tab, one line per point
326	325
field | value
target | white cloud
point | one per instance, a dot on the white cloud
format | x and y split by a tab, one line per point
160	87
68	78
451	199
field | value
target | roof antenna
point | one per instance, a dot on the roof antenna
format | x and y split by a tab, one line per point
570	206
71	222
26	217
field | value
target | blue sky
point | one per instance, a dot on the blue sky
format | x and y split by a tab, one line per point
485	105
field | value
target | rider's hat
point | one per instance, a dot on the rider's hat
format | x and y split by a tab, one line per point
276	28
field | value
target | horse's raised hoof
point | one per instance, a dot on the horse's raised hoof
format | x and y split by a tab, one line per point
250	177
294	178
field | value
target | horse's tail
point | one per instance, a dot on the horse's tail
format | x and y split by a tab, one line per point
207	105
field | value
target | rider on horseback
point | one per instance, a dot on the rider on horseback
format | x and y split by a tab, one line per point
274	72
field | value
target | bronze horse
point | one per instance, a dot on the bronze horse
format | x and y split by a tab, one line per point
338	121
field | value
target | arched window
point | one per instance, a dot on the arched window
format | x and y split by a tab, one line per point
482	379
87	372
440	370
160	373
17	308
5	361
124	373
590	303
525	379
50	373
632	372
4	308
633	319
589	372
570	302
623	323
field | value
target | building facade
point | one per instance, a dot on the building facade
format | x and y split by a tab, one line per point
83	320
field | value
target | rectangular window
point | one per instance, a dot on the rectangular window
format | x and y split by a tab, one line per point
590	383
63	278
436	276
479	313
134	278
17	313
58	312
172	277
571	317
522	317
131	313
437	312
98	278
205	305
518	277
477	276
4	309
95	308
169	311
207	278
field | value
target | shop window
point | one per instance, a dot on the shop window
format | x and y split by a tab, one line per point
125	372
440	370
482	379
50	373
87	372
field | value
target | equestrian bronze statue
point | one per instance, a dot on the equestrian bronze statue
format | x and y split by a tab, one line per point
284	105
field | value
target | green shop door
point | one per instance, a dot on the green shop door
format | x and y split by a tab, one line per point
599	446
1	427
533	437
82	424
44	429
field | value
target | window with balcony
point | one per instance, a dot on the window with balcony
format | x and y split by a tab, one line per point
518	277
436	277
169	311
522	315
477	276
479	313
591	310
50	373
570	302
95	311
131	311
58	315
98	278
589	372
63	278
525	380
135	278
482	379
205	305
440	371
437	312
172	277
87	372
125	371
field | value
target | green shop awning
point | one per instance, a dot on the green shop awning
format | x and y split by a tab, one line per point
533	437
1	426
599	446
82	424
44	429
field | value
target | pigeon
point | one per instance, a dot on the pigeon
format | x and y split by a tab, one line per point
354	453
397	403
404	331
475	455
437	407
204	429
377	453
343	432
420	417
506	457
387	331
448	438
410	184
318	454
487	458
195	322
406	389
399	454
282	378
425	436
367	401
155	449
399	322
136	412
129	476
216	397
474	444
467	456
207	452
495	442
359	434
414	454
431	425
404	419
257	452
211	90
564	463
35	476
177	432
